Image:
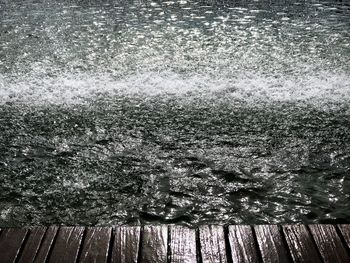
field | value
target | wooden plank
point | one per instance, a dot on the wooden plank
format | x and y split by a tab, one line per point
11	241
154	244
46	244
182	244
96	244
271	244
67	244
329	243
212	244
300	243
126	244
32	245
345	230
242	244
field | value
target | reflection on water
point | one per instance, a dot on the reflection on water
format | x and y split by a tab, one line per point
174	111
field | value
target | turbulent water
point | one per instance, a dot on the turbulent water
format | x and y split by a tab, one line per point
190	112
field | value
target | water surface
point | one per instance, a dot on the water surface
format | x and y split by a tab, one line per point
191	112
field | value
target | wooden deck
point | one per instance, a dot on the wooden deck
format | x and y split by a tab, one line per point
172	243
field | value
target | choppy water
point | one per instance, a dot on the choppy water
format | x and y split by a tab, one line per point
174	112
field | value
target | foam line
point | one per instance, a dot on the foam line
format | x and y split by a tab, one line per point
320	88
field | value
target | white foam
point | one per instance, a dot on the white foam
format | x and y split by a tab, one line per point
319	89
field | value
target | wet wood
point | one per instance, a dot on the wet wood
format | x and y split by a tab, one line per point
157	244
182	244
32	245
96	244
11	241
300	243
46	245
212	244
242	244
345	230
271	244
329	243
154	244
67	244
126	244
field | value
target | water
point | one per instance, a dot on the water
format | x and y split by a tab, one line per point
189	112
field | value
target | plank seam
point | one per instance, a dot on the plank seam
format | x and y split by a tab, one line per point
20	251
198	246
40	242
256	244
285	243
314	242
139	254
110	247
168	253
52	244
227	244
342	239
80	248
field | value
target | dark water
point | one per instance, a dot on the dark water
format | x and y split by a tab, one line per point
174	112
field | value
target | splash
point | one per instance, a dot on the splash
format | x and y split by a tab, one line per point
252	88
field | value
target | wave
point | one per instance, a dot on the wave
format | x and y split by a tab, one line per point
318	89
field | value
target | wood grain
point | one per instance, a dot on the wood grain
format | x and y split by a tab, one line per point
126	244
154	244
271	244
345	230
32	245
212	244
182	244
46	245
300	243
11	241
96	244
242	244
67	244
329	243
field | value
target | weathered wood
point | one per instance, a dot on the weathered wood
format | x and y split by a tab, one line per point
67	244
46	244
345	230
126	244
300	243
182	244
271	244
154	244
212	244
11	241
32	245
329	244
96	244
243	245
